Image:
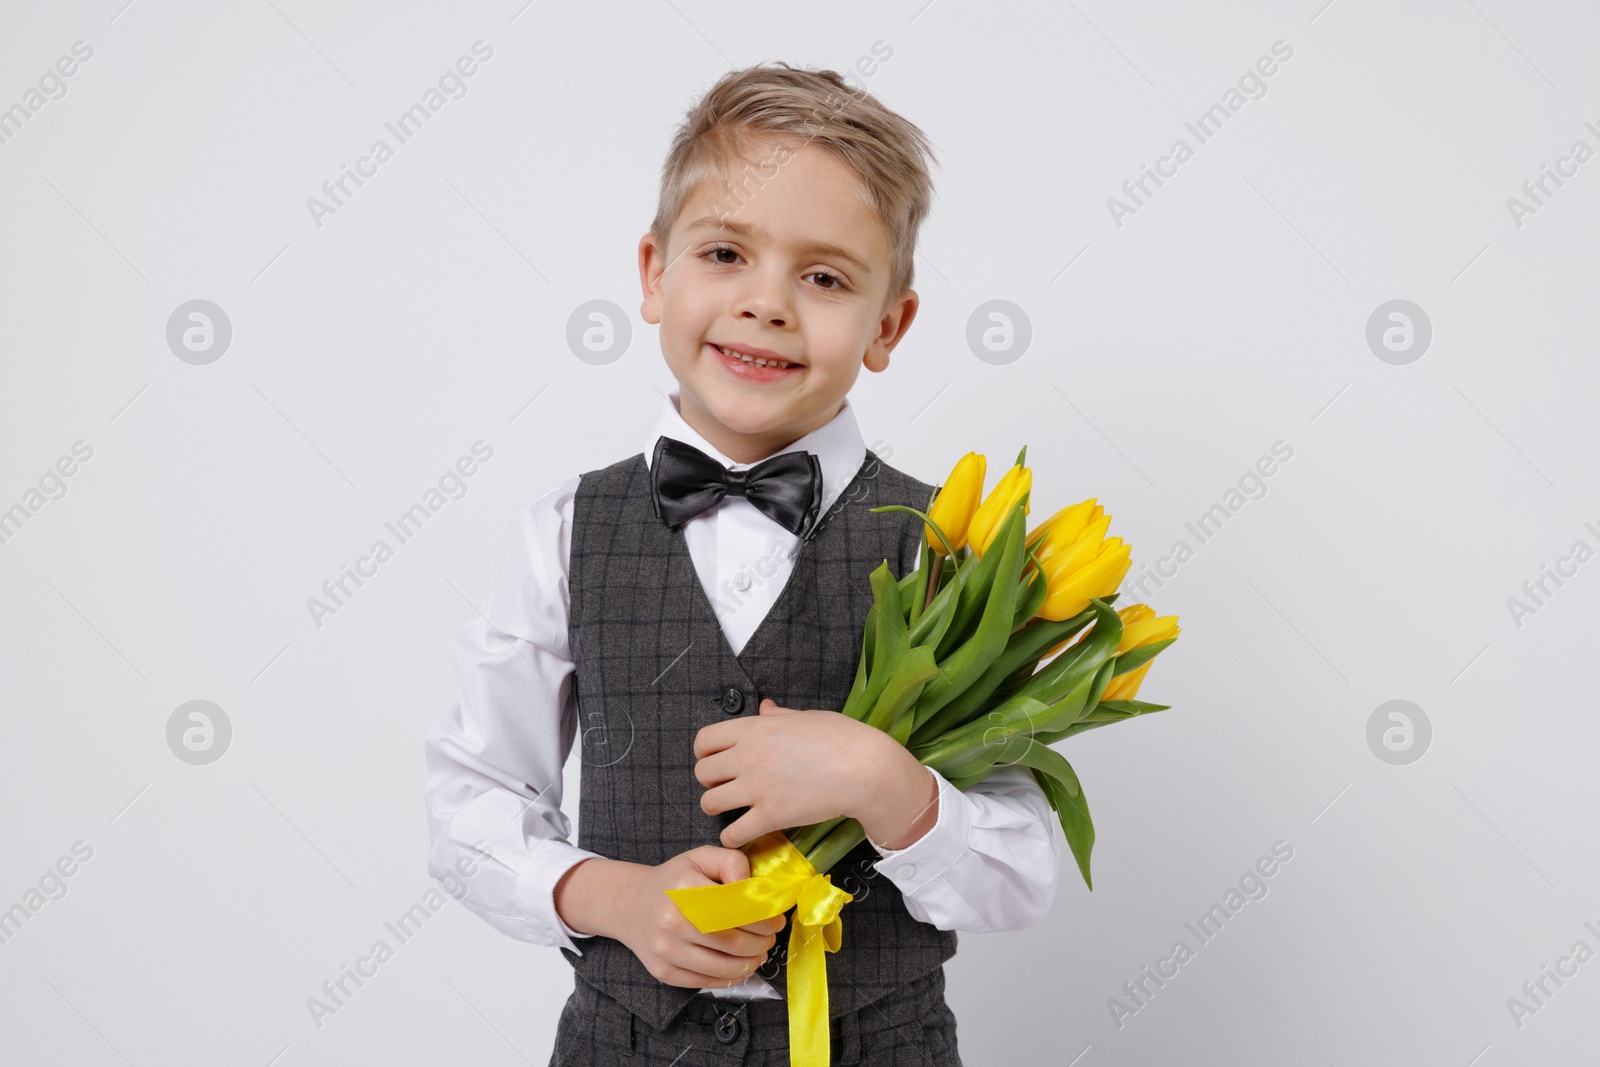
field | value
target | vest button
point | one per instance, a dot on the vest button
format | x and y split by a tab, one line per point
728	1027
732	702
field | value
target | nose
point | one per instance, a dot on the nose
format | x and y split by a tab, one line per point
765	299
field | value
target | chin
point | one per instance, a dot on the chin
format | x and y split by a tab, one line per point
746	416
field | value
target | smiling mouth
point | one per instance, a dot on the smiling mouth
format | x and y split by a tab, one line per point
756	361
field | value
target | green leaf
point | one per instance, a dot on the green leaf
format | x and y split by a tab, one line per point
908	589
1038	589
932	624
1102	679
1016	679
1132	707
977	592
1106	713
901	690
1071	731
978	746
1069	709
1138	657
915	584
855	705
1042	757
966	664
937	531
1020	658
889	636
1083	659
1075	821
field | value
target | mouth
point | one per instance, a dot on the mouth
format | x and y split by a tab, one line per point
752	367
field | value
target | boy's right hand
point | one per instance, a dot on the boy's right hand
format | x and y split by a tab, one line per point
671	947
668	944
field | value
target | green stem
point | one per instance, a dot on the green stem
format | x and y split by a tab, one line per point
836	845
933	583
807	837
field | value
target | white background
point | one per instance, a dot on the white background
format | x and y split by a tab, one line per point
1228	313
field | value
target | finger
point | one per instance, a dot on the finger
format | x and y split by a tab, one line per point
734	942
692	979
716	768
752	940
758	929
745	828
714	738
719	966
773	926
725	797
718	865
772	707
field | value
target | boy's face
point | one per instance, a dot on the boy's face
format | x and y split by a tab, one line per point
794	264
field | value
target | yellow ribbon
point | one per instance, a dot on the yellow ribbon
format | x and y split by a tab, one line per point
781	877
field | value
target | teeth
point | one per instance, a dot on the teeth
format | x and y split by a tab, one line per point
752	359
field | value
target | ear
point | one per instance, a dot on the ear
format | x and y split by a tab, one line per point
891	328
652	267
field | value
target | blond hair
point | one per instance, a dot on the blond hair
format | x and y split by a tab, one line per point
888	153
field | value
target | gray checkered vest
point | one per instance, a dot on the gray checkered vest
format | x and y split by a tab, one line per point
652	666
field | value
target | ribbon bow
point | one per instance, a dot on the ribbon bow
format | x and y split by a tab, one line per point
781	877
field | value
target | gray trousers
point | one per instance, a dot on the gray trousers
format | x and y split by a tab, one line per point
910	1027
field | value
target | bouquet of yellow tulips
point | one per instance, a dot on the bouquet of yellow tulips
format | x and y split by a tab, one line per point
951	654
1000	643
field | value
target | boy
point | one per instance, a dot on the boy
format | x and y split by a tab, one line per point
696	611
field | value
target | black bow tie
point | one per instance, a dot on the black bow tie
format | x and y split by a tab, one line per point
684	481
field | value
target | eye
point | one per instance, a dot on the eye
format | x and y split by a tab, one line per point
710	254
838	282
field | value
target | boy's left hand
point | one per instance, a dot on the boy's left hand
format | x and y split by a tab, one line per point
793	768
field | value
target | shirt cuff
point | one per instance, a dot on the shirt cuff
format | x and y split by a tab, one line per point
548	862
935	852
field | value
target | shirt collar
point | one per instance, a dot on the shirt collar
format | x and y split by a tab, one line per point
837	444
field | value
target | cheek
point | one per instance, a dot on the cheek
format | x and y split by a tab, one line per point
843	339
692	307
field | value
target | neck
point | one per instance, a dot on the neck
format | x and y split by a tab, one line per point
746	447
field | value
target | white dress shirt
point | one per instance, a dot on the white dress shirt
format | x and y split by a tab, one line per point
495	758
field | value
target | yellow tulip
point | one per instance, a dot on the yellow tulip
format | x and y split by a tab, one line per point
1126	686
1070	591
1079	561
997	505
1064	526
1063	557
958	499
1140	627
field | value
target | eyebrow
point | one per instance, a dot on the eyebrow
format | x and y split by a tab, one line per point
744	229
